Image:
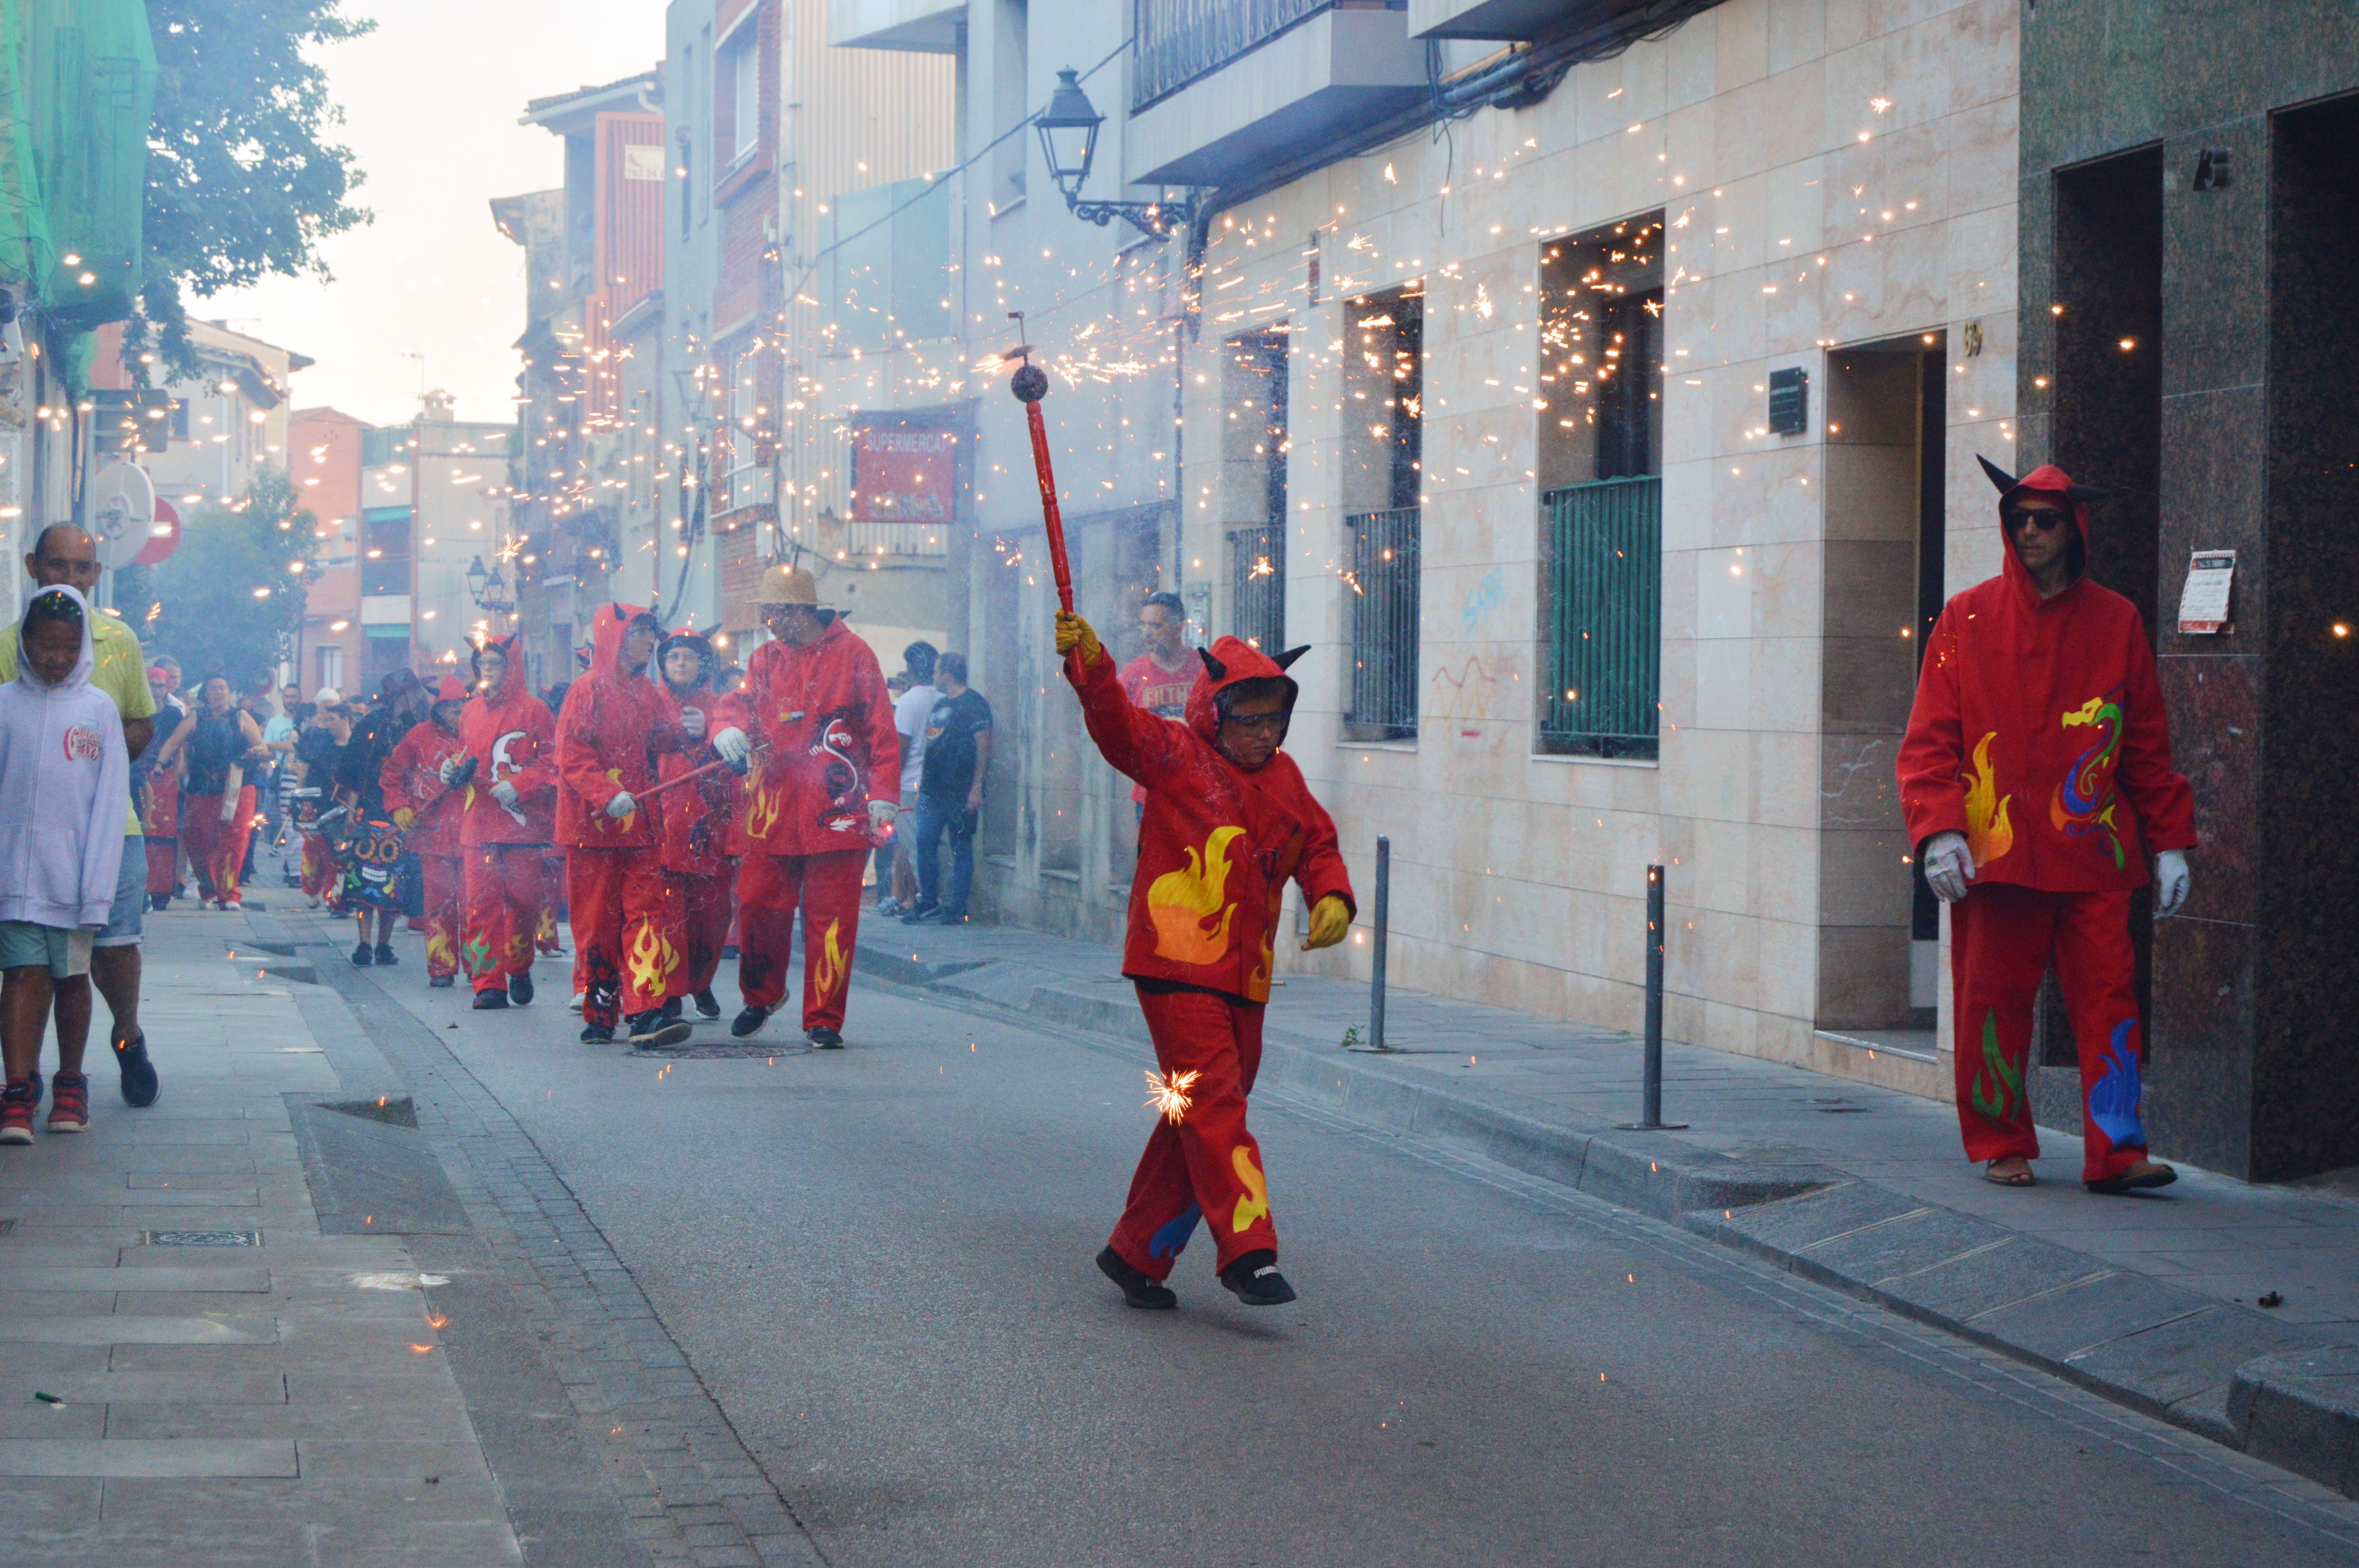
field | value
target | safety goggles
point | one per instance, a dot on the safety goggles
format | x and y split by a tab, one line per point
1259	723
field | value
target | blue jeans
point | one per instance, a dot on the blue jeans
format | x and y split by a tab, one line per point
933	815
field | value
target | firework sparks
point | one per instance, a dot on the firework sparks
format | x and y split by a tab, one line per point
1169	1096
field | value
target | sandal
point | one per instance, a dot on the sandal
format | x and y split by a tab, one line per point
2022	1178
2157	1174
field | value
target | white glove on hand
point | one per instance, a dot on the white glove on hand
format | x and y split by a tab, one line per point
881	814
505	794
2171	880
732	745
621	805
691	723
450	765
1949	866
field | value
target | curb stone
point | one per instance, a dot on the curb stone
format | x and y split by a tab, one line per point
2284	1394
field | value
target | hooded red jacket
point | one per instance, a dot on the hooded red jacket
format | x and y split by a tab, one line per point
1216	843
699	820
2039	731
412	781
609	734
511	736
823	711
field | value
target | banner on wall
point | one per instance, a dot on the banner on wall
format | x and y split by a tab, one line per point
903	476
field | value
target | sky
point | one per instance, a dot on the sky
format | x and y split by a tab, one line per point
430	102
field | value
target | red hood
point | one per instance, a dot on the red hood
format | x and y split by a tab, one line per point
511	648
1235	660
606	630
2050	483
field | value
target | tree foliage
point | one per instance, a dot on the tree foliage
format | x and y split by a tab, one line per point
201	605
243	181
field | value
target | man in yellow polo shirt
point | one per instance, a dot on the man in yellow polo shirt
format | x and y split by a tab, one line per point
64	554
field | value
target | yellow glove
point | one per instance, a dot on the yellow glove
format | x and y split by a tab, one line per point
1073	632
1331	917
403	817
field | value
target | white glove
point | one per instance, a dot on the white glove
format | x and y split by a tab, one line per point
1949	866
691	723
505	794
450	765
2169	880
881	814
732	745
621	805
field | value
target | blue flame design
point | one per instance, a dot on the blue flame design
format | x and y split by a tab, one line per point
1167	1241
2114	1097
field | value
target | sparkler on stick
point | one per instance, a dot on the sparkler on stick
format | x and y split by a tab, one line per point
1030	385
1169	1095
739	768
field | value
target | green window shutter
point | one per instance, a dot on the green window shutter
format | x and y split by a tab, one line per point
1605	619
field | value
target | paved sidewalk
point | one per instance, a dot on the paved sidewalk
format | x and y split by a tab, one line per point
2152	1299
273	1396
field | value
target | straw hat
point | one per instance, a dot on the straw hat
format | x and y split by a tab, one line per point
789	585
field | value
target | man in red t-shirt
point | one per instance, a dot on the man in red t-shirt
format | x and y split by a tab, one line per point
1159	680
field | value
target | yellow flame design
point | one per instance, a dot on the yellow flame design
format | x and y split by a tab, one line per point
1989	834
1256	1204
1179	902
761	809
438	943
617	824
829	973
1169	1096
652	961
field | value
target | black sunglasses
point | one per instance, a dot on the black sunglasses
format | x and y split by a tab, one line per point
2042	517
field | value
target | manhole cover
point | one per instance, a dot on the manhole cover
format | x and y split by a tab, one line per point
720	1053
204	1238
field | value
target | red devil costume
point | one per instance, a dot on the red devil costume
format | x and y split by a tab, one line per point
822	711
700	834
1216	844
429	812
511	737
2039	734
625	911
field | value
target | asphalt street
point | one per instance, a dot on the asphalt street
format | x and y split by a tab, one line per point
878	1262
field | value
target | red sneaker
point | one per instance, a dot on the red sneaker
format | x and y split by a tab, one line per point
17	1111
69	1103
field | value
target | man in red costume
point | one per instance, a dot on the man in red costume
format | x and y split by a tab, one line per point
1228	819
700	825
827	785
626	913
2036	779
509	799
415	782
1161	678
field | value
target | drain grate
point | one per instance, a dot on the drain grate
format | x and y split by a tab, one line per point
720	1053
397	1110
204	1238
7	1226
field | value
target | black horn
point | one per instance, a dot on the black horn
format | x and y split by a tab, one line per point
1212	667
1999	476
2088	492
1286	660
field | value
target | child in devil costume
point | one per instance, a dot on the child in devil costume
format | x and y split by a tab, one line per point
700	825
510	798
1227	820
417	782
2037	769
627	911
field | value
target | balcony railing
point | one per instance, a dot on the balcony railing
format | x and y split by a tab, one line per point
1180	40
888	539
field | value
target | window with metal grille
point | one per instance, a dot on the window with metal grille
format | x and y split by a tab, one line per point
1253	484
1602	608
1382	593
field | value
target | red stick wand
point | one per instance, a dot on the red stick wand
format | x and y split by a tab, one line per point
693	776
1030	385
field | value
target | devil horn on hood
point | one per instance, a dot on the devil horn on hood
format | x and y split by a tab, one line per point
1212	667
2087	492
1286	660
1999	476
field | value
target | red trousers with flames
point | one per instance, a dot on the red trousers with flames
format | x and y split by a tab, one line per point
319	867
217	849
2002	940
625	912
1206	1166
445	911
504	891
707	906
826	888
163	867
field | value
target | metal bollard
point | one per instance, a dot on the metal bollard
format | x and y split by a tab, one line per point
1651	1103
1377	970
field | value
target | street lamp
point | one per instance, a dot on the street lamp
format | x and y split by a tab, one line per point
1068	140
488	590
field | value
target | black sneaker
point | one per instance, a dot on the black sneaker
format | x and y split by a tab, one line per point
707	1005
386	957
139	1085
1138	1289
597	1033
824	1038
520	989
651	1030
750	1022
918	913
363	957
1253	1280
670	1009
491	998
441	982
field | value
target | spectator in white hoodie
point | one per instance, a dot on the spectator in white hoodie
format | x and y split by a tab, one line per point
65	783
